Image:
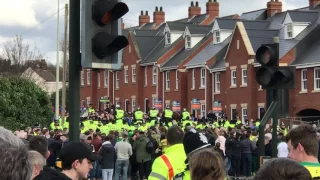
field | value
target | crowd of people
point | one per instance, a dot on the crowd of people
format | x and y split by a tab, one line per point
114	145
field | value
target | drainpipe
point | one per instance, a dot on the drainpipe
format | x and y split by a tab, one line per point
108	84
163	91
113	87
212	92
205	89
157	91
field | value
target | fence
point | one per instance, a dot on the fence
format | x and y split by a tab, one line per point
293	122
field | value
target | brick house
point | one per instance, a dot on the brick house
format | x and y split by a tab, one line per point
212	58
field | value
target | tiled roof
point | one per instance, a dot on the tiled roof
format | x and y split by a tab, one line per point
198	19
148	26
140	32
196	29
184	53
147	44
303	16
208	52
45	74
177	26
229	17
258	37
254	15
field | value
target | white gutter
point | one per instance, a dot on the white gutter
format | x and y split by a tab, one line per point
217	70
193	66
307	65
147	64
163	90
169	68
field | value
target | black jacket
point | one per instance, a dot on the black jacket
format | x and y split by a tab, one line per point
235	147
51	174
108	155
247	146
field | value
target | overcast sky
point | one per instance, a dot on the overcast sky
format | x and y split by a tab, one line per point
36	21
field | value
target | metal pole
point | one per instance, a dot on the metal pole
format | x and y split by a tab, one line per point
74	70
65	49
57	67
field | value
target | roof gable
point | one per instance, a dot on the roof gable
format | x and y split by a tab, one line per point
287	19
240	27
215	25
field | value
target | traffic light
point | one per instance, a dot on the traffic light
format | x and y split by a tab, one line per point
101	29
270	75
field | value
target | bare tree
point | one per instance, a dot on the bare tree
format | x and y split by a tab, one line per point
18	51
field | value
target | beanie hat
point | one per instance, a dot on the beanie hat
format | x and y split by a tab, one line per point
193	141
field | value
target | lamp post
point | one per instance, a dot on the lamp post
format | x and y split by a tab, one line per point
57	67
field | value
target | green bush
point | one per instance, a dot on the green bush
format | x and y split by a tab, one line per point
23	104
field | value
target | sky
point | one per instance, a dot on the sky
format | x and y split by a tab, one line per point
36	20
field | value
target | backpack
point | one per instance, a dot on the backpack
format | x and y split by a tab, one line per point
150	146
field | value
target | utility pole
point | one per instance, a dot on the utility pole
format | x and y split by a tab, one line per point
57	68
74	70
64	75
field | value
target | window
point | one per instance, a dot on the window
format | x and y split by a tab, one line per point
244	114
289	31
193	79
260	112
154	75
244	76
117	80
133	105
238	44
82	78
126	75
233	78
106	78
203	77
168	38
304	80
88	101
233	113
99	79
129	48
167	80
133	74
117	102
177	80
217	83
188	42
88	77
217	36
145	76
316	78
203	110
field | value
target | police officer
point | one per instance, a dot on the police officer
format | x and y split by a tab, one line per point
119	114
172	162
185	114
167	115
153	114
91	109
138	115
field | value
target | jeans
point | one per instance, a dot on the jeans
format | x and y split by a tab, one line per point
107	174
246	159
227	164
95	171
121	165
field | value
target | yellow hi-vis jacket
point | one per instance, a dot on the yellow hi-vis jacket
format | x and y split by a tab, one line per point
169	164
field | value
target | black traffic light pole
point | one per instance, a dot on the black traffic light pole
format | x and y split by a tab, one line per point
74	70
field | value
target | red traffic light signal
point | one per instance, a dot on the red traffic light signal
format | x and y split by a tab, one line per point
104	11
268	55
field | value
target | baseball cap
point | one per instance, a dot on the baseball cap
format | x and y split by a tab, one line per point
77	150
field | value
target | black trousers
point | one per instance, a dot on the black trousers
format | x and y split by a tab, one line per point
246	159
235	166
144	169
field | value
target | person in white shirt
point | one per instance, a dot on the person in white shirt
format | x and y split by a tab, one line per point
283	148
124	151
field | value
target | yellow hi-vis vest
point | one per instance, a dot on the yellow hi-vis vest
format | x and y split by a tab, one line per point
153	113
185	114
168	113
138	115
120	114
169	164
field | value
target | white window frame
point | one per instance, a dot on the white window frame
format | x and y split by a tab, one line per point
117	102
177	79
193	85
217	36
126	75
203	110
188	42
233	78
244	117
168	38
146	76
88	77
82	78
316	77
154	75
244	77
238	44
106	78
289	32
304	79
99	79
88	101
259	114
167	80
231	112
134	75
133	105
202	77
129	46
117	80
217	82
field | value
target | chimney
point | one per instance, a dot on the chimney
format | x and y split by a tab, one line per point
159	16
213	8
43	64
144	18
273	7
194	10
314	3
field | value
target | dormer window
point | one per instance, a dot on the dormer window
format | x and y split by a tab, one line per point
217	37
188	42
168	38
289	31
